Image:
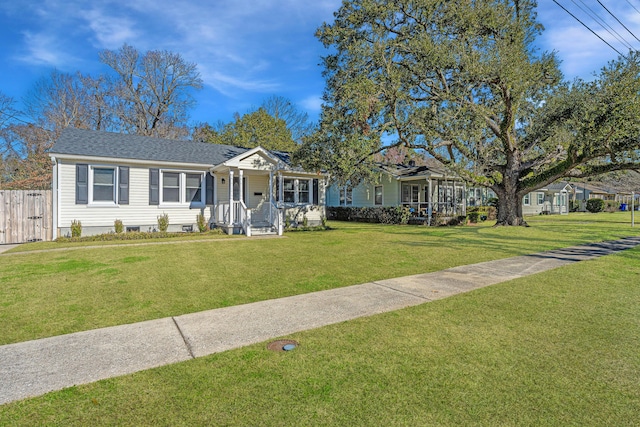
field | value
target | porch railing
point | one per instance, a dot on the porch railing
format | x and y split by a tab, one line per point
237	214
275	218
222	213
242	216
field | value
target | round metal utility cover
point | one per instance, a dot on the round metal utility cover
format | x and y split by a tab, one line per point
279	345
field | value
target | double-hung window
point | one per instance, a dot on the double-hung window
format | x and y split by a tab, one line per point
296	190
171	187
104	184
193	184
182	187
346	196
540	198
289	190
526	200
377	194
303	191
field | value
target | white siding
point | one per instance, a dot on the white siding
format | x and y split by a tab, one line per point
255	162
364	194
138	213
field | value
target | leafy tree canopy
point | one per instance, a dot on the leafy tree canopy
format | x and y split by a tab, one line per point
462	81
257	128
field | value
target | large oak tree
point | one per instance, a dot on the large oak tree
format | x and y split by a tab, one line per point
462	81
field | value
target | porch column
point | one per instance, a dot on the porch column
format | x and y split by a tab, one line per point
430	209
270	197
240	186
464	197
231	217
281	188
455	202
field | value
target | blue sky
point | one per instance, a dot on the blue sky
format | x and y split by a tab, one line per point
246	50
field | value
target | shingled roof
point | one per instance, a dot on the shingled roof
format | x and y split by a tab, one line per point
82	142
433	167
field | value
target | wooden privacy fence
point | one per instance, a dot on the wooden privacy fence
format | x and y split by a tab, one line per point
25	216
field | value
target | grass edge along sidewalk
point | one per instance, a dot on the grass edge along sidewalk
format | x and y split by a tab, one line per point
37	367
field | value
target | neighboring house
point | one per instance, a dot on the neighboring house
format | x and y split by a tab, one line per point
552	199
587	191
99	177
424	189
479	196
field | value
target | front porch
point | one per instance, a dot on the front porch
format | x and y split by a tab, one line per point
259	194
433	198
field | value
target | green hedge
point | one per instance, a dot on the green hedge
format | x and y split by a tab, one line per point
595	205
378	214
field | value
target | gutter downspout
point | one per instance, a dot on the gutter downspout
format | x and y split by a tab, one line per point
54	199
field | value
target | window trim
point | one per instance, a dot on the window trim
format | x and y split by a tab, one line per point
346	195
182	189
375	195
526	199
91	183
540	198
295	191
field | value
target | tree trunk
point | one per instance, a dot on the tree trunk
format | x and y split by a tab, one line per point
509	200
510	210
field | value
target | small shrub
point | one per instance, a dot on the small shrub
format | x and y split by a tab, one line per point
76	228
133	235
202	223
595	205
305	221
612	206
118	226
163	223
456	220
473	217
574	205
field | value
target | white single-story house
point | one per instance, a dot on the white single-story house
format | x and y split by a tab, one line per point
101	177
425	189
552	199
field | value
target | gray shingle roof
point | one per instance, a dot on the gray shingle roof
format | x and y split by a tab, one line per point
125	146
433	167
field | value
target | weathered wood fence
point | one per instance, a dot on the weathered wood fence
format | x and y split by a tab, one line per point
25	216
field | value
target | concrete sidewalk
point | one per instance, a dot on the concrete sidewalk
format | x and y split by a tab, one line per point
36	367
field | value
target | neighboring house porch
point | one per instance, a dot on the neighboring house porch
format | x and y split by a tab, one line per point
427	190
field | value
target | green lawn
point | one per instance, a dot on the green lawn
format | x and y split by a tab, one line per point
556	348
50	293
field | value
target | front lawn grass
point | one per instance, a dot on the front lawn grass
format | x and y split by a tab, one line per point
53	293
556	348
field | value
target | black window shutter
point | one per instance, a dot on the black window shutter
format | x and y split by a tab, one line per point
277	189
209	187
154	186
82	184
315	192
123	185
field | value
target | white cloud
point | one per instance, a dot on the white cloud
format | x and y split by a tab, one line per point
44	49
312	103
111	32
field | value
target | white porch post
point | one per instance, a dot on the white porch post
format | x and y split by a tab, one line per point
281	189
240	186
464	198
231	210
430	208
270	197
